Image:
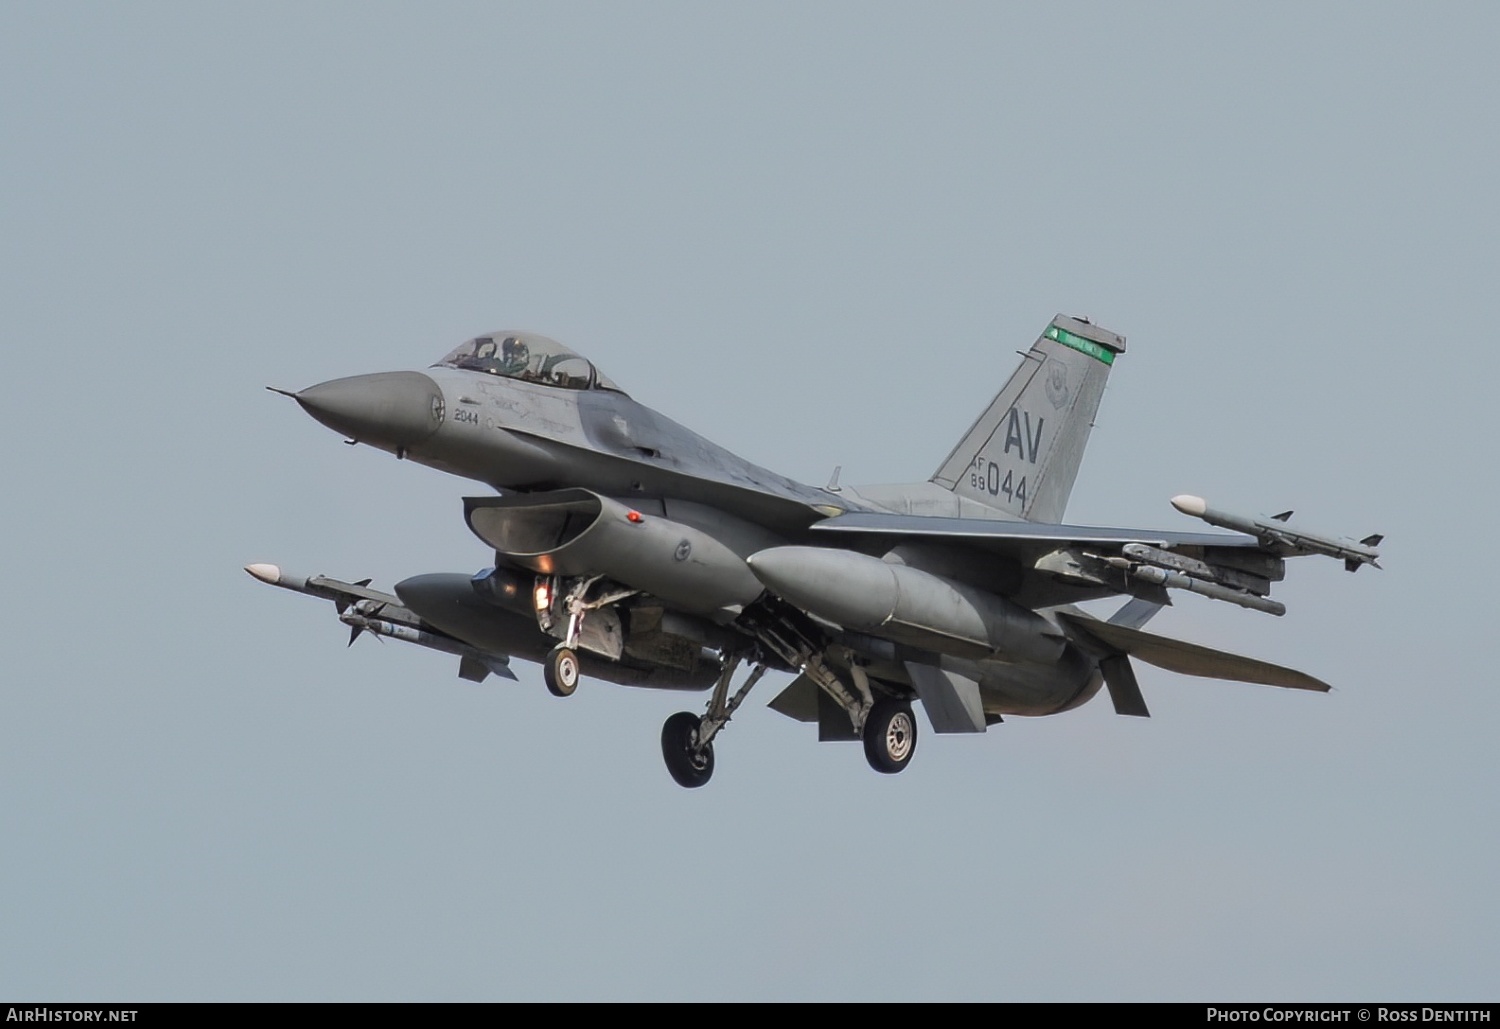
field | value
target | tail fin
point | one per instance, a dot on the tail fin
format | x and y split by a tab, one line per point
1023	453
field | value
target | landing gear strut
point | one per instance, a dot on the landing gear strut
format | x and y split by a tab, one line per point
687	741
885	724
561	669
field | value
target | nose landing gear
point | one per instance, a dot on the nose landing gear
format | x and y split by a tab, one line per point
561	671
561	668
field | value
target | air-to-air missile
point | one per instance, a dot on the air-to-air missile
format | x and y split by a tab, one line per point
1152	573
479	619
369	611
1277	535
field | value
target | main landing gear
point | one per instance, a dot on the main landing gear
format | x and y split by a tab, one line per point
883	722
890	735
689	762
687	741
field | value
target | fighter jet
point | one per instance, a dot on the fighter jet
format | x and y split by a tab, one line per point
629	549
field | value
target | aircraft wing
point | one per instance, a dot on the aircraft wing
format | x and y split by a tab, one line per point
1238	569
1000	533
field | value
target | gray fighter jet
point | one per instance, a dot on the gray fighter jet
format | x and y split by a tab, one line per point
632	550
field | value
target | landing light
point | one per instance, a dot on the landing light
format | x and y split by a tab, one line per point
543	596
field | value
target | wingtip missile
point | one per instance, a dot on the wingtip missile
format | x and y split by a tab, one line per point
1190	505
1278	534
266	573
272	575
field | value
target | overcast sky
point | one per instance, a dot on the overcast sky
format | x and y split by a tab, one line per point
817	234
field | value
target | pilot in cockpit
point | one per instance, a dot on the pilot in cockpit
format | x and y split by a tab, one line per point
514	355
527	358
509	358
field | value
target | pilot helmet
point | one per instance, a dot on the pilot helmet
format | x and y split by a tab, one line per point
514	350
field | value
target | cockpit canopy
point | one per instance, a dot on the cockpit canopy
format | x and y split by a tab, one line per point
528	357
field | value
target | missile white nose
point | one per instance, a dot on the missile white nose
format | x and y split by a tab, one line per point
1190	505
265	573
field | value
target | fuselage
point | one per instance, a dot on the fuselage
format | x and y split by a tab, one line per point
545	432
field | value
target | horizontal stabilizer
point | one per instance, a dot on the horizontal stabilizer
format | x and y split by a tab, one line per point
1190	658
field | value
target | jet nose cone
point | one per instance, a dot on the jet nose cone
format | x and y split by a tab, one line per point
393	409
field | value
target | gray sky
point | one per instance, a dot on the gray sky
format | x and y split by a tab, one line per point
816	234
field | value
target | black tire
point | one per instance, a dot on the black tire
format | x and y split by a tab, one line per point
562	672
890	735
687	768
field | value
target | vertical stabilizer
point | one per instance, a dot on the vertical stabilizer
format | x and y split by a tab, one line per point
1023	453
